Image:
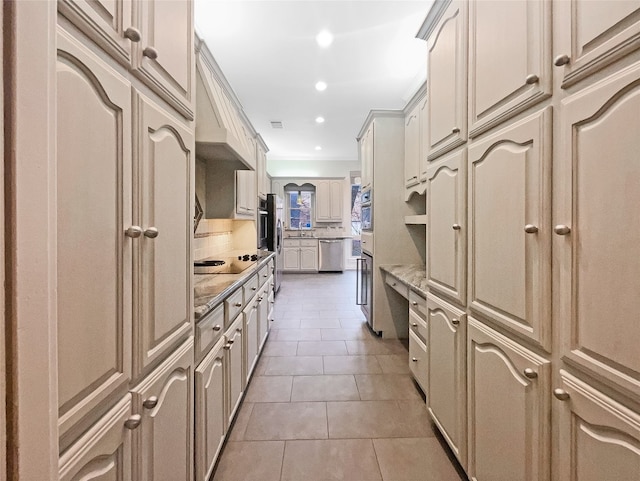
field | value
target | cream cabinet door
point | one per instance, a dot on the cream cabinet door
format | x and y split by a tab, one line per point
163	265
277	188
265	313
104	451
446	226
447	85
412	148
107	22
245	192
423	135
366	157
165	58
94	229
597	230
323	200
509	389
291	258
599	439
446	359
510	61
163	444
235	354
336	191
210	417
510	227
263	179
593	35
309	258
250	322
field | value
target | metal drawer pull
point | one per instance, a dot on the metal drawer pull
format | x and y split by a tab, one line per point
254	288
414	324
133	231
414	303
455	321
151	402
455	130
562	229
530	373
265	275
561	60
561	394
151	233
150	52
132	34
238	304
530	229
217	327
414	359
532	79
456	227
133	422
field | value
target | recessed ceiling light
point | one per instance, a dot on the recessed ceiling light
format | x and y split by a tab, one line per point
321	86
320	120
324	38
318	147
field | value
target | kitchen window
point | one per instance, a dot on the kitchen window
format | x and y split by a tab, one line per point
300	204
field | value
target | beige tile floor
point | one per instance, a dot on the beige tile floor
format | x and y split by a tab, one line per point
331	401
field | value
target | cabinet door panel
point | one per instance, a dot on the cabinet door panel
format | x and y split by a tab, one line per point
210	418
250	319
412	147
291	258
446	394
265	312
336	193
509	188
424	139
596	34
323	201
599	438
446	226
309	258
234	367
503	399
447	85
103	453
510	42
104	21
167	27
164	266
598	198
164	440
93	206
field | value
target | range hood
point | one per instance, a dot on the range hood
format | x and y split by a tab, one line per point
223	133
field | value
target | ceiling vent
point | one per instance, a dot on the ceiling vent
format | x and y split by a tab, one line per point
276	124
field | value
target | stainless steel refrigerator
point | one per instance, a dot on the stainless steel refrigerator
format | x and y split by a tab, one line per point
275	220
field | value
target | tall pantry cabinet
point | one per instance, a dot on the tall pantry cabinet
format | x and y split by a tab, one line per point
123	199
533	235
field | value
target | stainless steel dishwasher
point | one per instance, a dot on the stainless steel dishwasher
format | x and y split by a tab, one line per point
331	255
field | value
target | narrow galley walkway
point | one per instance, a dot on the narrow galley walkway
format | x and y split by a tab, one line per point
331	401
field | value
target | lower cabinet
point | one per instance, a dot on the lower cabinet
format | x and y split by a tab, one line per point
509	390
309	258
300	254
446	398
418	360
265	308
104	451
210	417
250	323
599	439
163	443
235	378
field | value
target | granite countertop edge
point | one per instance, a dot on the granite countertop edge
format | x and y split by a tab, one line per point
213	300
411	275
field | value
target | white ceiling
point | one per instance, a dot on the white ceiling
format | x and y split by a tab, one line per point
267	51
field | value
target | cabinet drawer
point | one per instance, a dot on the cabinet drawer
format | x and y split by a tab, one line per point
291	243
418	304
250	289
232	306
418	360
308	242
398	286
418	325
208	330
366	241
263	274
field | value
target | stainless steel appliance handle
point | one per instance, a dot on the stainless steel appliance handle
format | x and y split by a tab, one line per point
328	241
365	287
358	281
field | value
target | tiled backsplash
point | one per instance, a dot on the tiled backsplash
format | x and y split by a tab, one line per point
212	237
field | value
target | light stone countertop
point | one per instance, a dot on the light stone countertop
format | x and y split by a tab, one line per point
412	275
209	290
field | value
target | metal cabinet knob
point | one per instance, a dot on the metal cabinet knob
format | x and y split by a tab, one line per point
238	304
414	359
238	330
456	227
150	403
561	60
530	373
254	288
132	34
226	347
414	324
414	303
393	284
455	130
150	52
561	394
217	327
530	229
259	299
151	233
265	275
133	422
133	231
562	229
455	321
230	341
532	79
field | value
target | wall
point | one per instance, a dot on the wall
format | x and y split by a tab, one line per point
217	236
301	168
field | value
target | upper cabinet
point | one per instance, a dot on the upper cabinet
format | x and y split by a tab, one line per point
510	62
366	158
594	35
329	194
222	132
154	38
415	153
447	73
261	168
